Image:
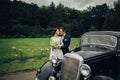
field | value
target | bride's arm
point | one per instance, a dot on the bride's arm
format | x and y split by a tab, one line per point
51	41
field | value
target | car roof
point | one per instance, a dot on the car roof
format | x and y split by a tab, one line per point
113	33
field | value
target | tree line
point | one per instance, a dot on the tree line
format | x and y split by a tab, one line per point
20	19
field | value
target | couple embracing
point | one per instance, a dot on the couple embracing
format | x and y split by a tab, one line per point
59	42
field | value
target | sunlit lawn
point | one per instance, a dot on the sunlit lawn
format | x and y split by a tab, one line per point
25	54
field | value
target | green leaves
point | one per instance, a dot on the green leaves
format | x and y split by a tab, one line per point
20	19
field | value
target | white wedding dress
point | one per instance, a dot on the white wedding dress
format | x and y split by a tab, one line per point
55	50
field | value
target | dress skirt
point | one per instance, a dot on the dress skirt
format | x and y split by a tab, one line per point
56	52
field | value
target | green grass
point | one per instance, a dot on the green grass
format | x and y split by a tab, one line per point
20	66
25	54
30	47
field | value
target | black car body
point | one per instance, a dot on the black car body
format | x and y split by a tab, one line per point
96	58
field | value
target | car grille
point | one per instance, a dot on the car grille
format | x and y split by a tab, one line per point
70	69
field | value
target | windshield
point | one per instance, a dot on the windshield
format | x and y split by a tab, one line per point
107	40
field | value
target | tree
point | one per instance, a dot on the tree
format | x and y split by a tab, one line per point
110	21
30	20
4	17
117	15
52	14
98	15
92	28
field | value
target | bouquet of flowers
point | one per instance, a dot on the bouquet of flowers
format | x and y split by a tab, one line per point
54	44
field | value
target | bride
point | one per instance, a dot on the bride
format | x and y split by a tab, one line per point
56	42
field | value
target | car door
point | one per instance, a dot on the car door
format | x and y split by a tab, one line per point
118	58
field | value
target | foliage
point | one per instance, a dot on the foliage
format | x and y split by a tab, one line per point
92	28
20	19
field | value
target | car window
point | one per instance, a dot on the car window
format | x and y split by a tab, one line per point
107	40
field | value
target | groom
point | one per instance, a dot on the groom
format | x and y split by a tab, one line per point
66	41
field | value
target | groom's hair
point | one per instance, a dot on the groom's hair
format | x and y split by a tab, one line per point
63	29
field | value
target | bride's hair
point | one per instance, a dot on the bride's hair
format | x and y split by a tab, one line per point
54	31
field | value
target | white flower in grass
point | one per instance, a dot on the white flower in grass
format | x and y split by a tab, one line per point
32	50
13	47
47	49
41	49
20	49
16	55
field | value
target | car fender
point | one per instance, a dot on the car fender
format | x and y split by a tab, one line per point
45	71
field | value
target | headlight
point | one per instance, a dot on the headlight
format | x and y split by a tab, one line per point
38	70
85	70
54	59
52	78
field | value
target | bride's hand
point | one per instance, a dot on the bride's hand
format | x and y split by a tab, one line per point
59	47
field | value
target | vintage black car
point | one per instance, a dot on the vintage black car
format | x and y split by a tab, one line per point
96	58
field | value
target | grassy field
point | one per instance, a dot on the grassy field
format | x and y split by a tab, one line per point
25	54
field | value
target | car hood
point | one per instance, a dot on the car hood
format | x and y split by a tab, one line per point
90	55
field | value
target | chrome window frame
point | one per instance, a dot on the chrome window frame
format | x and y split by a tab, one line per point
100	44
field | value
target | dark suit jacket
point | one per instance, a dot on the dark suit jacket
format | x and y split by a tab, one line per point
66	42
